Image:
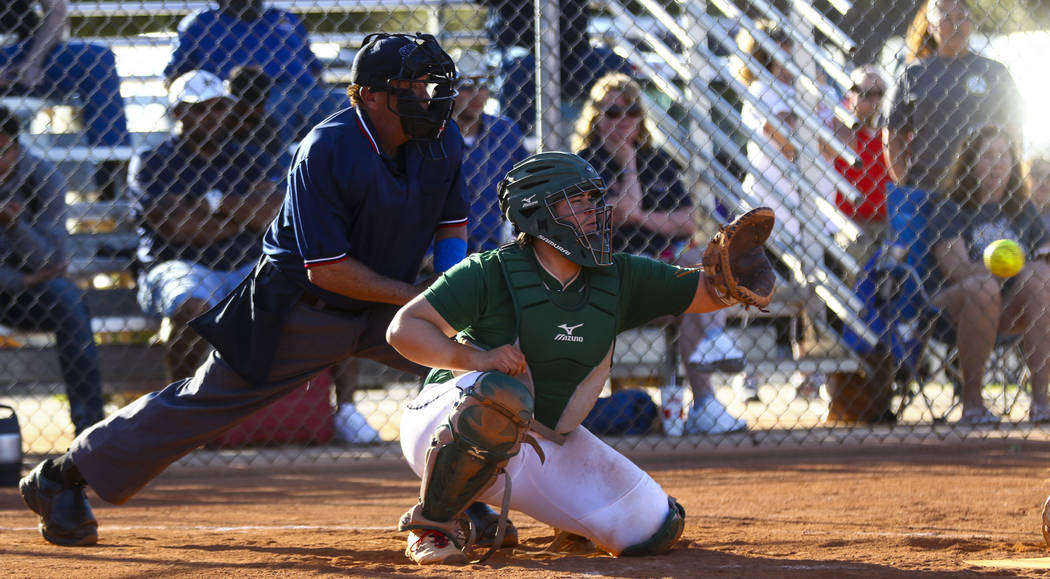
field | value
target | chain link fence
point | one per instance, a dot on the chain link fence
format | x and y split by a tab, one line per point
886	322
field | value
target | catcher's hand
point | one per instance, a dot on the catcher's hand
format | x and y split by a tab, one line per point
735	263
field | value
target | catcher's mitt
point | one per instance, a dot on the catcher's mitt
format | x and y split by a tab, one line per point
735	263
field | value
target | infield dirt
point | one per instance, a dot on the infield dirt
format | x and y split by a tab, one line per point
816	512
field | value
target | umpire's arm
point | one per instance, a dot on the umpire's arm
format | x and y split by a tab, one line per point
356	280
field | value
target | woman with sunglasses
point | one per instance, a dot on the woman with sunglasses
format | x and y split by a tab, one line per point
653	215
945	92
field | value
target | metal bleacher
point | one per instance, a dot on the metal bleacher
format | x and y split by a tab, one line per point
104	236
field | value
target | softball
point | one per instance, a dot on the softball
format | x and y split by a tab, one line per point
1004	258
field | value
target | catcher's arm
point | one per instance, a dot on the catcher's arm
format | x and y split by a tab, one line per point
736	269
703	300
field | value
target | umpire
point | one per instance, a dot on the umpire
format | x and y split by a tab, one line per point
369	190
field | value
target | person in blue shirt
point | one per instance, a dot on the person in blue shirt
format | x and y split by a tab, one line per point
35	293
246	33
369	191
510	26
492	145
203	201
38	62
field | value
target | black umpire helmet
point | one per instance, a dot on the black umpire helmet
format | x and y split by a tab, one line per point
410	60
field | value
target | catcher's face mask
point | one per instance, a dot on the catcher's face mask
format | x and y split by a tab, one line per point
424	81
559	199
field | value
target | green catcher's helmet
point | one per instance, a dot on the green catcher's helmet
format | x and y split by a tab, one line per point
529	192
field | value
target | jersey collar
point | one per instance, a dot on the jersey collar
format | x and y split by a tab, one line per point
366	128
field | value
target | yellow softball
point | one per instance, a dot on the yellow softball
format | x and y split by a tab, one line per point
1004	258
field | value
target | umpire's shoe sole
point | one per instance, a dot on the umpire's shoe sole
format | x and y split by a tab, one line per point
65	515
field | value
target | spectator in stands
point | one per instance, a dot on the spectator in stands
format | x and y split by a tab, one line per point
864	100
244	32
653	215
771	186
985	200
493	144
249	121
203	201
38	63
1037	177
945	91
34	292
511	27
769	151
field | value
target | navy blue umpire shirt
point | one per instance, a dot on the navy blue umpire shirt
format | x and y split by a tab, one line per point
347	200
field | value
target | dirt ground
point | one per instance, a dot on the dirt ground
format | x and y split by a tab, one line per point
818	512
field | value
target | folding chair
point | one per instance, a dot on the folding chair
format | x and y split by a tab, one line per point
920	337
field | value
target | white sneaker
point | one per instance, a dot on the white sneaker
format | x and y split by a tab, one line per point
709	416
352	427
717	352
745	386
432	548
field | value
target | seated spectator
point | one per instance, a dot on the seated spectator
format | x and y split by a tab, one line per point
985	201
510	26
653	215
492	146
769	184
768	150
1037	178
864	100
243	33
38	63
34	294
203	201
946	91
249	122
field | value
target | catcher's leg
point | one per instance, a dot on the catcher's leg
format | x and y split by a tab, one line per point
467	452
585	487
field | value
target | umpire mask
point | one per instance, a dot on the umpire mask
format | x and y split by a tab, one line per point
418	72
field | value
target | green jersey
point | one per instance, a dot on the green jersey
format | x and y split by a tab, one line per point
474	297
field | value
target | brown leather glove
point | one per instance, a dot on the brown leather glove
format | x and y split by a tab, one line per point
735	263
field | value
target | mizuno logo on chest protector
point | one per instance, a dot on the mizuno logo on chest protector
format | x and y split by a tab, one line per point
567	336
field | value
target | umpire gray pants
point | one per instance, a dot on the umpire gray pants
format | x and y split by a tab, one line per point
121	454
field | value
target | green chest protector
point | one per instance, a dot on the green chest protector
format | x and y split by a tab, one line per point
567	340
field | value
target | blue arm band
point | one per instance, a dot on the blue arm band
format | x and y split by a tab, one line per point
448	252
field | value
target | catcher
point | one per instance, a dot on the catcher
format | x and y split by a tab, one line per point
521	339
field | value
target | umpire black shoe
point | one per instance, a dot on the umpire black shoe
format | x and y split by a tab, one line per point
485	522
65	515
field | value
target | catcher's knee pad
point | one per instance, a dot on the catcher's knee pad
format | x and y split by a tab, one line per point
485	429
664	537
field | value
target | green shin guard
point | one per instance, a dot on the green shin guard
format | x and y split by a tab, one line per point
484	431
664	538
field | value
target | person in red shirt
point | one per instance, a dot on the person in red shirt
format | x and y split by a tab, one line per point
864	99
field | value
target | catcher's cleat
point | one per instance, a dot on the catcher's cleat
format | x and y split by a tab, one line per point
432	547
485	521
65	515
1046	522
